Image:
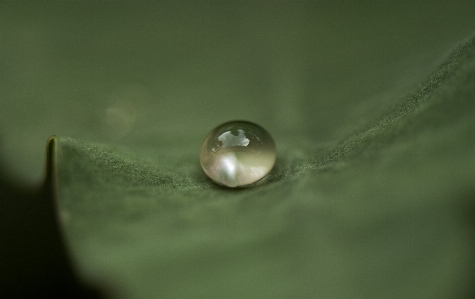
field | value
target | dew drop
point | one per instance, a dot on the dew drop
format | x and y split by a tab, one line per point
237	153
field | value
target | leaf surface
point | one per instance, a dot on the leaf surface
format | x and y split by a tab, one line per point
385	213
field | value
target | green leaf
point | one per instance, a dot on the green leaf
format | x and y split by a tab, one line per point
384	213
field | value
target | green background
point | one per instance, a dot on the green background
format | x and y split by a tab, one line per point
372	193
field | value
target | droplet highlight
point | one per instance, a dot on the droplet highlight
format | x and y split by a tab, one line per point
237	153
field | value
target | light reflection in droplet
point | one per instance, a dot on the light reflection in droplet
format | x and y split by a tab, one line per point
237	154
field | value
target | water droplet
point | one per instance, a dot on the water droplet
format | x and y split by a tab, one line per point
237	153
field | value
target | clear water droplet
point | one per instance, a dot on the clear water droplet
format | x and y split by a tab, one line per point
237	153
